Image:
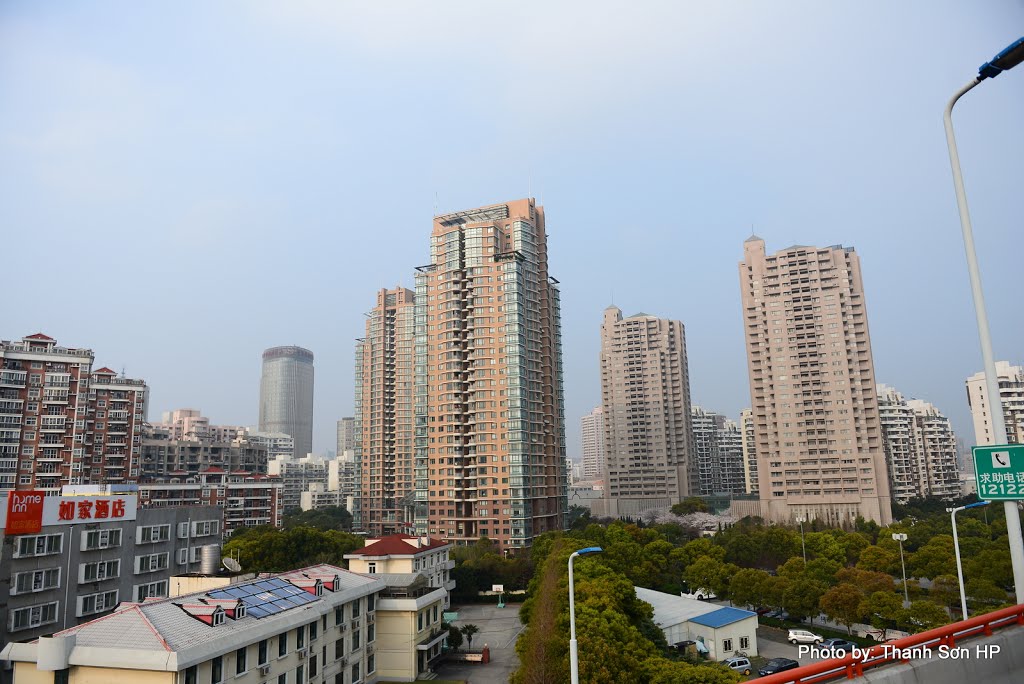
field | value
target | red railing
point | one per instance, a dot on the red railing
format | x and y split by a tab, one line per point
947	636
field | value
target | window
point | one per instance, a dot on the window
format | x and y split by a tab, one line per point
371	568
41	545
98	571
35	580
240	661
339	648
282	645
299	673
355	609
91	604
205	528
355	639
339	615
100	539
726	645
33	616
312	635
152	562
371	632
300	637
312	666
282	678
355	673
144	591
190	675
371	603
744	642
152	534
217	670
261	657
371	664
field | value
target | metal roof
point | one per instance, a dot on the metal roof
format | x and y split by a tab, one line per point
722	617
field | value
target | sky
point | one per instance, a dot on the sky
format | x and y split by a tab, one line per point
183	185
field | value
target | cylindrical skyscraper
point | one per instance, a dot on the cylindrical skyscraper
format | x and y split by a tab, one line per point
286	395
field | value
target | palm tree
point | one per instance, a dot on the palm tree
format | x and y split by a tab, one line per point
469	631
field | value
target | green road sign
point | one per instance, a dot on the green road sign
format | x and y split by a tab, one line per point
1000	472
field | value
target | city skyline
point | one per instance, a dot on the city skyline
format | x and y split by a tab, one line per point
103	138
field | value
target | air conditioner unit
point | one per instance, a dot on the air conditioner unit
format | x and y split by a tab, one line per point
342	627
264	669
343	661
301	652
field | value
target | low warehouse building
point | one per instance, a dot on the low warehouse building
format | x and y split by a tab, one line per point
722	630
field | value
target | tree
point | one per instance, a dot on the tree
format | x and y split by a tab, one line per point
277	550
883	609
326	518
842	603
691	504
924	615
468	631
877	559
933	559
945	591
747	587
801	598
983	594
867	581
454	638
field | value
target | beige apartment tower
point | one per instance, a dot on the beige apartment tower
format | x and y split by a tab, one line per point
383	426
490	421
812	386
1011	396
592	434
645	398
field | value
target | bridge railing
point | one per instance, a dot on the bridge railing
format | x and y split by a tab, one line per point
895	651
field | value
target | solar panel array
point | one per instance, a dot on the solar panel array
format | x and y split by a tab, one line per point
266	597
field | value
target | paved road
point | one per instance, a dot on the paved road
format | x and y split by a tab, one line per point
771	643
499	628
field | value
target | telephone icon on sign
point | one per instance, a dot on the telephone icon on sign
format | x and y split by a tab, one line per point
1000	459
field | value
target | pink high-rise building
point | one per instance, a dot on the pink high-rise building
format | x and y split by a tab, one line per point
812	385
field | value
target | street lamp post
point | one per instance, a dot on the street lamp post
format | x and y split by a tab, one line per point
956	547
1007	59
574	663
900	537
803	546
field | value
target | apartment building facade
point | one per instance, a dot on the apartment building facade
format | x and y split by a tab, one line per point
63	423
93	550
320	623
749	451
247	499
592	437
383	425
297	475
920	448
717	453
489	412
286	395
815	412
645	399
405	554
164	456
1011	395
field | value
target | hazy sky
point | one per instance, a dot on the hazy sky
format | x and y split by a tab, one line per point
185	184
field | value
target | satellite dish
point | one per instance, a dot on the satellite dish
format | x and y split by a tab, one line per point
232	565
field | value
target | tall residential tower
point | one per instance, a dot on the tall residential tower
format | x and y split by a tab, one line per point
592	432
812	385
490	425
383	426
645	397
286	395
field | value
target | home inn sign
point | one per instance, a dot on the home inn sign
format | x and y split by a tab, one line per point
27	512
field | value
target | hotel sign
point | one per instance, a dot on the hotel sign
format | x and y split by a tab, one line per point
29	511
24	512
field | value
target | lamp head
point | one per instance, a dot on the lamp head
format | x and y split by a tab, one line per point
590	549
1005	60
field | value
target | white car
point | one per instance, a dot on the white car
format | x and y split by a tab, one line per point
802	636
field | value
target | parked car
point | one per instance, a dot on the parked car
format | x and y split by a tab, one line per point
777	614
838	645
739	663
802	636
778	665
764	611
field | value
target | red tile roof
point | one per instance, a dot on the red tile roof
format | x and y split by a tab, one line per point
104	371
39	336
396	545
